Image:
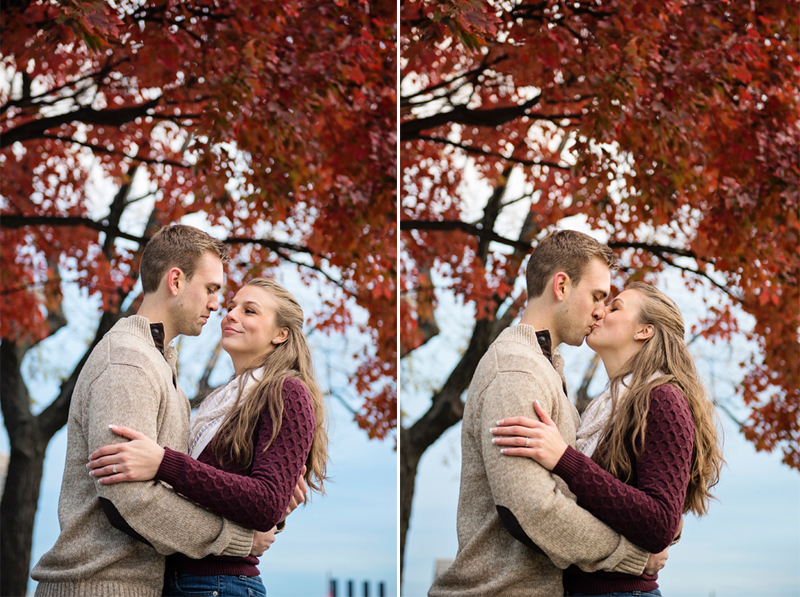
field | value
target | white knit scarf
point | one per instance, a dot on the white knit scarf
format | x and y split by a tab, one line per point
212	411
597	415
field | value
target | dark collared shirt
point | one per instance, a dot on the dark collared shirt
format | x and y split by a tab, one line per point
157	331
545	343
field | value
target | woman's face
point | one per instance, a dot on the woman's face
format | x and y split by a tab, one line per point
248	328
616	331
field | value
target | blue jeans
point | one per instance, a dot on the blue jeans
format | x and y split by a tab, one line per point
653	593
222	585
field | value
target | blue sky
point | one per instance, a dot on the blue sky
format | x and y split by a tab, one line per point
349	533
747	546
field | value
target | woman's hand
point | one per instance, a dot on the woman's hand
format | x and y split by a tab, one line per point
539	440
136	460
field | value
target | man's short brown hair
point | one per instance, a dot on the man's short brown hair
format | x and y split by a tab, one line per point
565	251
177	246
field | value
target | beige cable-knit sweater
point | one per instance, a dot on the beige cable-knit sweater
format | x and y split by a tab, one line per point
490	560
127	381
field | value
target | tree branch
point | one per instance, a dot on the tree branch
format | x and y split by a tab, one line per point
477	151
411	129
101	149
663	252
203	387
275	245
472	229
87	115
18	221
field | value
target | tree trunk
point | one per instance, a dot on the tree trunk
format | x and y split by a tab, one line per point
446	410
29	436
18	507
409	460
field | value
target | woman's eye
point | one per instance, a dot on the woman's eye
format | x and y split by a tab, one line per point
250	311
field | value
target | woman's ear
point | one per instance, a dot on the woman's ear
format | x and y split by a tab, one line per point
281	337
646	332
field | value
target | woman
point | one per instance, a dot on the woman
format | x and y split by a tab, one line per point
648	448
249	442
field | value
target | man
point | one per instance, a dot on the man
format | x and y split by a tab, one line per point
518	525
114	537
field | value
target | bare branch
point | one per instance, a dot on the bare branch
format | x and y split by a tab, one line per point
88	115
203	387
478	151
449	225
101	149
411	129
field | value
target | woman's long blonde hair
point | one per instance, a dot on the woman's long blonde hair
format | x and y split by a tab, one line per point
664	353
291	358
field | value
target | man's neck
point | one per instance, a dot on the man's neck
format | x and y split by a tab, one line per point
539	315
154	311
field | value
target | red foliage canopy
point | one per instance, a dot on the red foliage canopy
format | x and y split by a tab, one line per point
676	117
274	119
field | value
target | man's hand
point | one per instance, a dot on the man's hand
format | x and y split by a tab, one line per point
656	562
262	541
299	495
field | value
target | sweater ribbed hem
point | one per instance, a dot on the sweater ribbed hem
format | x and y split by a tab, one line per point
96	589
598	583
212	566
241	542
569	464
171	467
634	562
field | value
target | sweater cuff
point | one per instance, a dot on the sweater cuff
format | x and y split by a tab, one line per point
634	561
570	464
171	468
241	540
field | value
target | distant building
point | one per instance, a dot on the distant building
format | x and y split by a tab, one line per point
441	565
3	470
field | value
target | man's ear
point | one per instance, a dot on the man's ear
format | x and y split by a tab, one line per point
175	279
561	283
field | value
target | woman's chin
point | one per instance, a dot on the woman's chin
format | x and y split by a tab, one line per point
590	342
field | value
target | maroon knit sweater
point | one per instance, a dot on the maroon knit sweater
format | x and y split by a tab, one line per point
256	498
647	510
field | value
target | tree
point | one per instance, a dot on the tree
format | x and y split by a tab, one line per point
274	120
671	128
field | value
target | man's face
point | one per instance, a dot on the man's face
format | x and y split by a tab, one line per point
584	304
198	297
